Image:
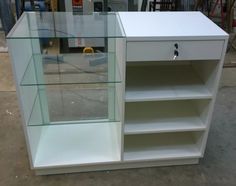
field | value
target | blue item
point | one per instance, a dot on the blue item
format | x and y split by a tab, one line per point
38	6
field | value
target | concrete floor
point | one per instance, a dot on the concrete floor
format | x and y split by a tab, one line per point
3	44
218	167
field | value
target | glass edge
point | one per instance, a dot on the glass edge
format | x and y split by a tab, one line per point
78	122
86	83
120	25
14	28
50	37
25	72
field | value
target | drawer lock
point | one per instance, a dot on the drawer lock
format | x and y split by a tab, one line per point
176	54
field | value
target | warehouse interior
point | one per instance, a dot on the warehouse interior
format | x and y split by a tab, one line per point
217	167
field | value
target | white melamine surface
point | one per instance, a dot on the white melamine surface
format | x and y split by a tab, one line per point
75	144
162	116
160	147
171	82
169	26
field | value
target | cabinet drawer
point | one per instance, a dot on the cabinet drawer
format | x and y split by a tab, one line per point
165	50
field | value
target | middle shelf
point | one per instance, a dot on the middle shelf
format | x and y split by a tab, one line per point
166	116
146	81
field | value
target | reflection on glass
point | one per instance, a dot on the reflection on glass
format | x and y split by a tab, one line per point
68	67
67	25
72	68
74	104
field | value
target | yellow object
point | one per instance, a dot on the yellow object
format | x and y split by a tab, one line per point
88	50
53	5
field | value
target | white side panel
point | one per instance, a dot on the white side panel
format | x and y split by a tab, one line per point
112	105
120	88
215	85
207	71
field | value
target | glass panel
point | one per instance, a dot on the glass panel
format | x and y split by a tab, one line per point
66	25
67	80
68	104
72	68
75	102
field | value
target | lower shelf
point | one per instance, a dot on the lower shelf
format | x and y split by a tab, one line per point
166	146
65	145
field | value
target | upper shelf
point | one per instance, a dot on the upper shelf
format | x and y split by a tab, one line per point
66	25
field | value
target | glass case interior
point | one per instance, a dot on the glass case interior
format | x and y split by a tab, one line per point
68	75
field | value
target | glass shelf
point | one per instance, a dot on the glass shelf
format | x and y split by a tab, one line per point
73	68
67	25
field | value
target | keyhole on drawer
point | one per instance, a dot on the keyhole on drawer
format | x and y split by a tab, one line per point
176	54
176	45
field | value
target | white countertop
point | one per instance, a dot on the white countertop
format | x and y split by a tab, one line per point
169	26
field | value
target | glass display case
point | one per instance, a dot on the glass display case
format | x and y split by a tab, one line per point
113	90
69	98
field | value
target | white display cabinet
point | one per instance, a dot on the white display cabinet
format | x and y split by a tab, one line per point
143	96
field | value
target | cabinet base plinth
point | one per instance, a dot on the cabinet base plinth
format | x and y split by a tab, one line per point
114	166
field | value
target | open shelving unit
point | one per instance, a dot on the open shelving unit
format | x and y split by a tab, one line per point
167	108
142	96
170	88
